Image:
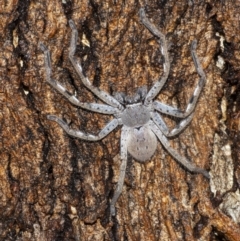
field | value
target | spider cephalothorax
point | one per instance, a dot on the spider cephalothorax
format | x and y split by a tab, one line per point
139	115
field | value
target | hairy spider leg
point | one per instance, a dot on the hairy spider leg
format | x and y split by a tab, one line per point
100	108
166	109
186	163
123	153
158	120
164	50
104	96
79	134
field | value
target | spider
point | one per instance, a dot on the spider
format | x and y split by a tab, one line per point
139	115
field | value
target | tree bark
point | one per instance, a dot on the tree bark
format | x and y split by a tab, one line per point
56	187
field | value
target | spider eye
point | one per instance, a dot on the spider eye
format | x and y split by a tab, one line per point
129	100
135	98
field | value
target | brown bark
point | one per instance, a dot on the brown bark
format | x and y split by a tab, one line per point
55	187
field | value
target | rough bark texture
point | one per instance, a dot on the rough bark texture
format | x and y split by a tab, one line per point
54	187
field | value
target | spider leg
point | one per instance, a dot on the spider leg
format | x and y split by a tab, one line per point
158	120
77	66
164	50
75	133
201	82
186	163
169	110
104	109
166	109
124	135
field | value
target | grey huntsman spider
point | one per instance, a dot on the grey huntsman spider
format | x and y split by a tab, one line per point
139	115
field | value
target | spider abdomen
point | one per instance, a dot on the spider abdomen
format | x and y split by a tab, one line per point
141	143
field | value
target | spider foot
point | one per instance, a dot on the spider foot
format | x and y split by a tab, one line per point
72	24
194	45
43	47
52	117
112	210
203	172
142	13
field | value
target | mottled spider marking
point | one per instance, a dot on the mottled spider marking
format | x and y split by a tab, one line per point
139	115
142	143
